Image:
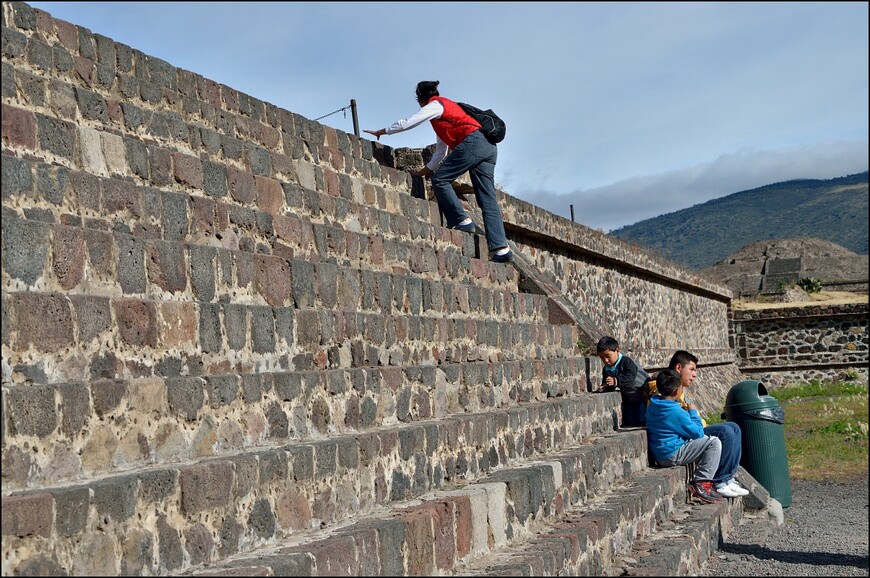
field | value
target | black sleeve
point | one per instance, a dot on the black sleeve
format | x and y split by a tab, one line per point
627	373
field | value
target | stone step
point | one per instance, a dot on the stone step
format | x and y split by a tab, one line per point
643	527
444	532
159	242
114	426
170	517
681	545
154	338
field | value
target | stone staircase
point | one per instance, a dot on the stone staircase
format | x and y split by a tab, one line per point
234	343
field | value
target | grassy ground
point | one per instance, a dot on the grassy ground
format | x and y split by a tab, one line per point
825	429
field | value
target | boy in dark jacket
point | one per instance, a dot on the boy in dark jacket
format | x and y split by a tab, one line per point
622	373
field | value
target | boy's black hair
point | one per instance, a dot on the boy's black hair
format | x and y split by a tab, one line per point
607	343
682	357
426	89
667	382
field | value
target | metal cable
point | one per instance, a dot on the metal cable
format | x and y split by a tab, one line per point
333	112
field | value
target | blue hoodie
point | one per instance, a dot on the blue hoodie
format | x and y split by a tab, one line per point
669	427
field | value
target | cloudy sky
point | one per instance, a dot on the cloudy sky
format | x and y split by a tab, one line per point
624	110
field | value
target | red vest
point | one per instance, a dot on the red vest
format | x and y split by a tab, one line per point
454	125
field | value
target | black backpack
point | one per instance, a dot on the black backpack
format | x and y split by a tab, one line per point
491	125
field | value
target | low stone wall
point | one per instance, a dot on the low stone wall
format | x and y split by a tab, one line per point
783	345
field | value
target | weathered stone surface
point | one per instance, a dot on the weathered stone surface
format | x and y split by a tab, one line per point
205	486
29	515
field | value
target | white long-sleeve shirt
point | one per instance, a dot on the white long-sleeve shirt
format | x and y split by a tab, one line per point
431	111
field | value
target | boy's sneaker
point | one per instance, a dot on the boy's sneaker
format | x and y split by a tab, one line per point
728	491
704	492
738	488
467	227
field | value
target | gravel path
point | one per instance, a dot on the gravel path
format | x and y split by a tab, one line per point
825	534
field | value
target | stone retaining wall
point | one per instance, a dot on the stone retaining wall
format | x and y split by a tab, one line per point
783	345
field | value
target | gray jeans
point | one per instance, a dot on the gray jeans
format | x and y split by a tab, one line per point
705	450
476	155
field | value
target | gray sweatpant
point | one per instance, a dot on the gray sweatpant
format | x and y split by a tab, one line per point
705	450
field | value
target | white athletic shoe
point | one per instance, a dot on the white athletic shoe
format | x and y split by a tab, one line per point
727	491
737	488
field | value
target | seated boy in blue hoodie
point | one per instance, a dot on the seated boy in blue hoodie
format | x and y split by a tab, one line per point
676	436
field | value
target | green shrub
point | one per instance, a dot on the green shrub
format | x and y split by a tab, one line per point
810	284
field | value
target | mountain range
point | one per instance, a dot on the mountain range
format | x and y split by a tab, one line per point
697	237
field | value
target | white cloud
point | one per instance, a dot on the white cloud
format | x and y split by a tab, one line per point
642	197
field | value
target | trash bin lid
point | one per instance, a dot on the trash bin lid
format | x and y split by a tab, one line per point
748	395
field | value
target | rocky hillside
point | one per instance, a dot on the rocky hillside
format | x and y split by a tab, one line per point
700	236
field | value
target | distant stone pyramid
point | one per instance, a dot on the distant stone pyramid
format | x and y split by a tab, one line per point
770	266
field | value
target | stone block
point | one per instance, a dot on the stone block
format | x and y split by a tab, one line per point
442	513
214	179
185	396
419	543
241	186
178	323
25	247
202	271
391	539
336	556
95	555
198	544
308	332
56	136
75	404
367	551
210	339
279	425
293	511
160	165
274	280
31	410
496	503
205	486
116	497
262	519
107	396
136	321
16	177
167	266
93	316
262	329
131	264
28	515
188	170
270	195
171	549
155	486
222	389
19	128
301	459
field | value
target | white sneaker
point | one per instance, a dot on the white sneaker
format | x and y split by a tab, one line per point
737	488
727	491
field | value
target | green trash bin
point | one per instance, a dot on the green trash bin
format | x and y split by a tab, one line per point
761	420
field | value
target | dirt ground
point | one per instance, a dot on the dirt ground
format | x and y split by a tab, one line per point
820	298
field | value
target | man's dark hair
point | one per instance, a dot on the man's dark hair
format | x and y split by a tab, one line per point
682	357
607	343
426	89
667	382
